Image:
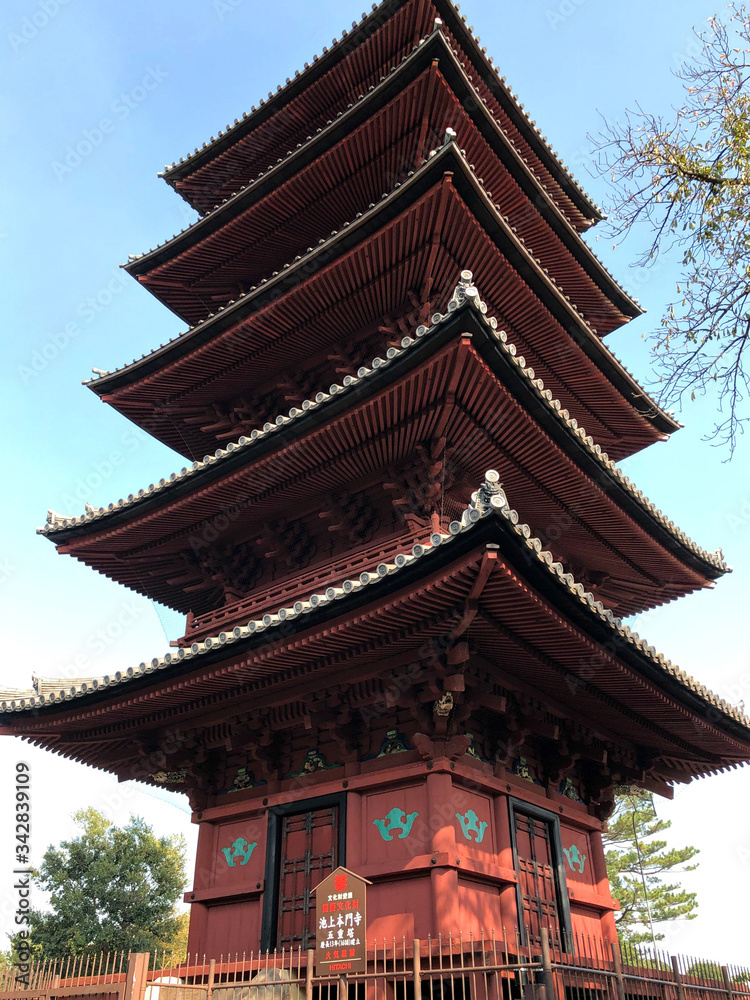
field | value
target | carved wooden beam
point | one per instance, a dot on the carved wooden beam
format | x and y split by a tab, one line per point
430	747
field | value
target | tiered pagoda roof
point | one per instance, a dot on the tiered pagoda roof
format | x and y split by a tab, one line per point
353	64
396	261
487	572
340	396
346	166
460	379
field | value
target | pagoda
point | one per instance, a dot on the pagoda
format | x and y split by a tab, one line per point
401	540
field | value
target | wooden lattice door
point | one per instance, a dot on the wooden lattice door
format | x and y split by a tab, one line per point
538	868
308	852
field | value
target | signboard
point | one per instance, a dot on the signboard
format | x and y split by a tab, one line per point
341	923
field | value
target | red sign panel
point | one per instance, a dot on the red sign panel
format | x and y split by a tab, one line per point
341	923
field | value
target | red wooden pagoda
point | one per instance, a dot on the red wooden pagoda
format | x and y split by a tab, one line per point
394	659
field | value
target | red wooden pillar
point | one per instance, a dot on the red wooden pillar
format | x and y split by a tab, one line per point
508	901
609	928
355	835
444	879
202	879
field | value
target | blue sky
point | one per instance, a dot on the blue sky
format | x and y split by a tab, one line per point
136	85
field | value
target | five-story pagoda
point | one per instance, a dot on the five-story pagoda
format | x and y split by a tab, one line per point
394	659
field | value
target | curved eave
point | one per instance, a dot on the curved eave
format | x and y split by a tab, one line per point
449	158
330	58
512	370
488	523
525	125
368	104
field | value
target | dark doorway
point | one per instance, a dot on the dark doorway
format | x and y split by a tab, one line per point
307	855
542	892
306	842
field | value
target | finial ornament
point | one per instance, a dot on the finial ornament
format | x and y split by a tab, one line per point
465	282
490	493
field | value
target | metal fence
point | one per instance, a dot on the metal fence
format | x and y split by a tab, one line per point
435	969
629	972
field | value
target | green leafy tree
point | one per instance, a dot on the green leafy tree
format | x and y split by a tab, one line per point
686	179
111	889
637	862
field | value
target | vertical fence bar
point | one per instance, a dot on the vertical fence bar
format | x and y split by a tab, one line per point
549	987
617	964
211	977
677	977
137	976
309	974
416	968
727	981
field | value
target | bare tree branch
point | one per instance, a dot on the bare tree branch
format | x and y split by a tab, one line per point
686	177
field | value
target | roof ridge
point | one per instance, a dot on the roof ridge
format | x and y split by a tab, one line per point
10	694
464	294
489	499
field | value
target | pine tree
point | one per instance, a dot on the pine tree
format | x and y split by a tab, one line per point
637	862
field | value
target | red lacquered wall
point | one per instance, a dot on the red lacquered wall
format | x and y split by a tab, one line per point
436	841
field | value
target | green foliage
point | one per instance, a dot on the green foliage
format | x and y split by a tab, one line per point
706	970
111	889
179	942
712	971
687	177
637	861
